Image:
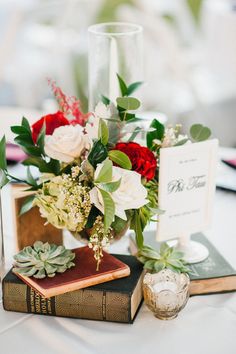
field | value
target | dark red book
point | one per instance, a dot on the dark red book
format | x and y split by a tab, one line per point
83	275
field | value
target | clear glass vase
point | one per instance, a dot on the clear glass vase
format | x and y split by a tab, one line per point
2	259
114	47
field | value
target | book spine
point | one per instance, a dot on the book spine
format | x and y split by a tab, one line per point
84	303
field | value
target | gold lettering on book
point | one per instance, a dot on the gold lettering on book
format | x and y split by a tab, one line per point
104	305
32	307
39	304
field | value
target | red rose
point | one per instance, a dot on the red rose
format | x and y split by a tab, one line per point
142	159
52	122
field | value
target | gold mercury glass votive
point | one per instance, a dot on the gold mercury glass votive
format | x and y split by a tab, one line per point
166	293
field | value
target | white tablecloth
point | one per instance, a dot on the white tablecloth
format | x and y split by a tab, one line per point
207	325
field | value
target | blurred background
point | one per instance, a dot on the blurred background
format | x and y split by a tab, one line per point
189	56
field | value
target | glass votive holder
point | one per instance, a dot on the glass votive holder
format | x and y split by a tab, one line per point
166	293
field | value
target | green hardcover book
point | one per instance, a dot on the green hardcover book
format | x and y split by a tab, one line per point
117	300
214	275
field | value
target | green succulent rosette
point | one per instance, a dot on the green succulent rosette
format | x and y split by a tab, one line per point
43	260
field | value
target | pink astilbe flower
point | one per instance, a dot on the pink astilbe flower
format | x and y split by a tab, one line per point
69	105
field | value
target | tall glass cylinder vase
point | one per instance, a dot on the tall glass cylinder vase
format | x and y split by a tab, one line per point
114	47
2	259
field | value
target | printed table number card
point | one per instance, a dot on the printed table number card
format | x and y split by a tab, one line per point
186	189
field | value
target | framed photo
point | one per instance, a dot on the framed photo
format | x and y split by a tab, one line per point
186	189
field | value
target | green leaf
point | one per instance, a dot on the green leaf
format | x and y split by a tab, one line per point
119	224
199	132
133	87
30	178
94	212
53	166
157	133
97	154
133	119
128	103
27	205
109	208
120	158
105	174
149	264
123	87
18	129
3	179
110	186
135	133
181	142
87	169
3	161
105	100
41	139
128	117
26	125
103	133
138	230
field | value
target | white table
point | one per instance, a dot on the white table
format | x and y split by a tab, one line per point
206	326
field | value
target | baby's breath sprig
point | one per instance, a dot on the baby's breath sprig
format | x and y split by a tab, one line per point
99	239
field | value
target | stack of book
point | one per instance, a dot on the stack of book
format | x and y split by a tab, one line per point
116	299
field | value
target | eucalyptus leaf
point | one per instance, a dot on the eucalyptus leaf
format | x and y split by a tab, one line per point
109	208
181	142
128	103
120	158
199	132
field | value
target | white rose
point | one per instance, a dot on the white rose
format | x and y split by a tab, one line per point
66	143
130	195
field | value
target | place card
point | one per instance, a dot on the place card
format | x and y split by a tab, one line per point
186	189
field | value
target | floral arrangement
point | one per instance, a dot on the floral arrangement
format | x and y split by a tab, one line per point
93	176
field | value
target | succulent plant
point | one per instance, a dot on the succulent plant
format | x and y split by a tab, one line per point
166	257
43	260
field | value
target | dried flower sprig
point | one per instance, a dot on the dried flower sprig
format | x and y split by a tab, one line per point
69	105
99	239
